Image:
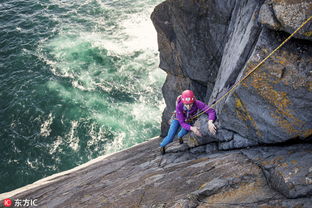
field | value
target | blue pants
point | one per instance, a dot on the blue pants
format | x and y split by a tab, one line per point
174	126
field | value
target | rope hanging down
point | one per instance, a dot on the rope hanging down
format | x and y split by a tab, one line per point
254	69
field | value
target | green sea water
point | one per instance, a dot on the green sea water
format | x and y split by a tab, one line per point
78	79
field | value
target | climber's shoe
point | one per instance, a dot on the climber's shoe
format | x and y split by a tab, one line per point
162	150
180	141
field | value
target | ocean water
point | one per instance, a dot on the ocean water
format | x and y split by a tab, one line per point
78	79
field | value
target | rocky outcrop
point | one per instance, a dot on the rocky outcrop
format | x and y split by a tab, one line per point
271	176
287	15
208	46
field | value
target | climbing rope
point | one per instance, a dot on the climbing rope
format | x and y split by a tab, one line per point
254	69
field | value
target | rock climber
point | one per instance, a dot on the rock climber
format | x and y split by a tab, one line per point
186	107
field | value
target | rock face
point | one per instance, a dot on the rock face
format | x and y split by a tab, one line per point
208	46
191	39
271	176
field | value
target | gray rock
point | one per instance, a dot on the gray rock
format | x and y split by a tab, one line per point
243	32
291	14
272	105
210	188
287	169
197	150
224	135
211	148
237	142
141	177
176	147
287	16
267	17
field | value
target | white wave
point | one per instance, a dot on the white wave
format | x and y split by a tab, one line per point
45	128
135	33
104	88
76	84
96	137
32	164
55	145
72	140
141	32
147	113
16	162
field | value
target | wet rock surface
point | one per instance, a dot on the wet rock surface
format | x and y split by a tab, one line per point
270	176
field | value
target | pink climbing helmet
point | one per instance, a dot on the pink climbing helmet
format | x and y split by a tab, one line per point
188	97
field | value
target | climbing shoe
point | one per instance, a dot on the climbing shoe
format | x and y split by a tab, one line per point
180	141
162	150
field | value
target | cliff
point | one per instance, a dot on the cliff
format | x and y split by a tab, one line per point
208	46
261	155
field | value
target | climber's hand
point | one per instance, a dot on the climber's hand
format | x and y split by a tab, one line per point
212	128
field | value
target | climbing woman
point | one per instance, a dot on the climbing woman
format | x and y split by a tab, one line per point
186	107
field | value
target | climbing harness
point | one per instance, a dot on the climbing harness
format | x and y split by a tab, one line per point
254	69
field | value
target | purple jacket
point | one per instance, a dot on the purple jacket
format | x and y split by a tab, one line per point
183	114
